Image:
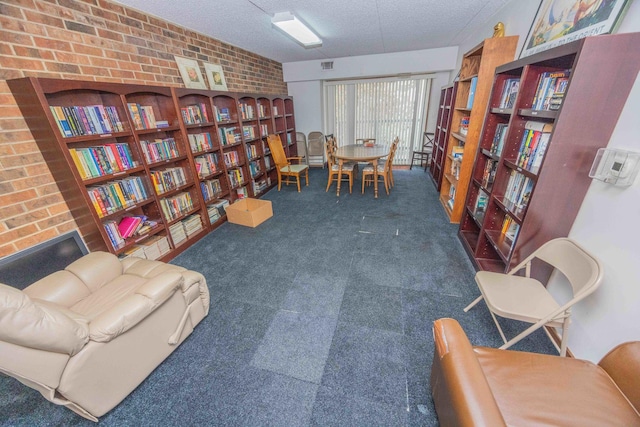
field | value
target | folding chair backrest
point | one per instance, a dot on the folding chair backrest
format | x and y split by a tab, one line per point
583	271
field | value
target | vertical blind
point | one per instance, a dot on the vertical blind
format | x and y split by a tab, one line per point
380	109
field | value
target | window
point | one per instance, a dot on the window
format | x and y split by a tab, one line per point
378	108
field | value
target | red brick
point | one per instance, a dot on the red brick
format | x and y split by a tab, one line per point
36	238
62	67
104	4
15	136
72	4
6	250
102	13
17	197
87	50
43	19
72	58
32	182
26	218
9	10
53	221
94	71
58	208
122	74
52	44
101	62
14	124
110	35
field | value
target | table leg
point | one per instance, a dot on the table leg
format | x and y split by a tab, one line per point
375	179
340	162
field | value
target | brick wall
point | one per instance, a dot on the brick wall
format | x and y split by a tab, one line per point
89	40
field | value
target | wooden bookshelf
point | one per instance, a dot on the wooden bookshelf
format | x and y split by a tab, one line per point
123	150
476	76
602	71
441	137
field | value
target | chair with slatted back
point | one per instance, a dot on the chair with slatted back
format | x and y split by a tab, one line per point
349	169
315	148
383	169
284	165
424	154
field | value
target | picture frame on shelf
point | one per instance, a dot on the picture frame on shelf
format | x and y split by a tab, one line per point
190	73
215	75
562	21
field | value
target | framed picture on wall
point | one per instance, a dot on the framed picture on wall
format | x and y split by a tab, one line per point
215	76
190	73
562	21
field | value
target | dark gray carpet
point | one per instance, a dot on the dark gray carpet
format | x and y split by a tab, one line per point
320	316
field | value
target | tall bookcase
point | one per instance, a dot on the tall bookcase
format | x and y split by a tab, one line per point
566	106
441	137
476	77
171	157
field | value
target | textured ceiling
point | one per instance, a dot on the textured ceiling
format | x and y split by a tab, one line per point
347	27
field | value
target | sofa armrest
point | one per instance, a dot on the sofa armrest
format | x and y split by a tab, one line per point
461	393
133	309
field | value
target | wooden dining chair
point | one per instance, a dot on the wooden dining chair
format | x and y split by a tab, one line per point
384	169
349	169
424	154
284	165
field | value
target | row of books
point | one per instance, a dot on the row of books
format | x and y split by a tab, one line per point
254	168
182	230
152	248
246	111
498	139
217	210
489	174
206	164
114	196
242	192
160	149
167	179
259	186
89	120
101	160
263	111
135	225
264	130
509	229
252	151
249	132
222	114
533	145
195	114
550	91
267	162
275	111
236	177
229	136
518	192
144	118
481	205
199	142
231	159
175	206
211	189
127	227
509	93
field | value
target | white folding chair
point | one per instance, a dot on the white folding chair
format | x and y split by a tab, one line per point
526	299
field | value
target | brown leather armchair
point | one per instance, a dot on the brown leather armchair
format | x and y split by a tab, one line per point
479	386
86	336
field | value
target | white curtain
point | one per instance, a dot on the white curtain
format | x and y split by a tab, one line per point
380	109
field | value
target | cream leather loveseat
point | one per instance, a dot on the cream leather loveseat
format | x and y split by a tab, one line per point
86	336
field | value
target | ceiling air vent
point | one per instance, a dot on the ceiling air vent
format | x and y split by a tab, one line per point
327	65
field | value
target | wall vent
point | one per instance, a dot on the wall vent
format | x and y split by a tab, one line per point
327	65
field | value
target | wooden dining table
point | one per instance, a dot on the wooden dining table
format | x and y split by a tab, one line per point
360	153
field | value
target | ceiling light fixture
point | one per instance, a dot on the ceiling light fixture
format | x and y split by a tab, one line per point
296	29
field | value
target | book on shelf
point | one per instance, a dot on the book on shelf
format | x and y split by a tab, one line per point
93	162
160	149
206	164
489	174
472	92
128	225
533	144
480	206
509	93
550	90
222	114
498	139
509	230
199	142
457	151
464	125
195	114
518	192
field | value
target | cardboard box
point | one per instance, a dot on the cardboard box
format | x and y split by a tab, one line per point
249	212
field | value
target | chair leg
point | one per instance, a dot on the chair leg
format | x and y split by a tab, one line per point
363	180
504	339
306	177
329	182
298	182
563	341
386	182
350	182
279	181
475	301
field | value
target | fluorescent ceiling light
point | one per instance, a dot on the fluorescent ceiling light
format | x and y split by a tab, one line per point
296	29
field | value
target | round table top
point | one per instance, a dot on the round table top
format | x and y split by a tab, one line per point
359	152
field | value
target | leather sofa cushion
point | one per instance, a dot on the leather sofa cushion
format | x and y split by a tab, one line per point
533	389
62	287
39	326
96	269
